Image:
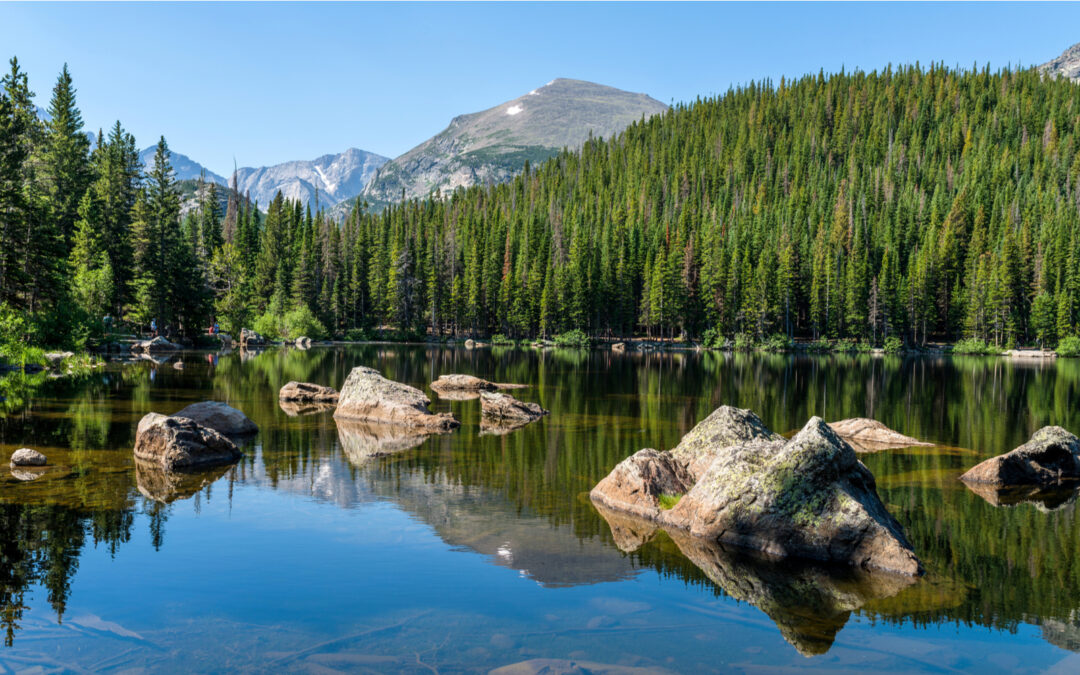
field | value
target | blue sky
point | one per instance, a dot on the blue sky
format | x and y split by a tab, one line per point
265	83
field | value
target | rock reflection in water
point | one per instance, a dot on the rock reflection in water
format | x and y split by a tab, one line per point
295	409
362	441
809	603
1044	498
169	486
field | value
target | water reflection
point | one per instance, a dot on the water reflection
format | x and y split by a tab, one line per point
518	499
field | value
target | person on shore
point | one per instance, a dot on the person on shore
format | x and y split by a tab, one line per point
153	328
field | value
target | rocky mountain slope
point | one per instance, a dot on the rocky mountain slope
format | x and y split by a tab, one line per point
1067	64
493	145
335	178
184	168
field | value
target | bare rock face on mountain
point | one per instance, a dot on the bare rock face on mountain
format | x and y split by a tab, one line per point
493	145
1051	456
333	179
181	444
368	396
866	435
220	417
306	392
1067	64
806	498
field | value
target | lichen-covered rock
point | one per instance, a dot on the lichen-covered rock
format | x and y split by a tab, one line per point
635	485
363	441
220	417
807	498
27	457
506	408
368	396
1051	456
306	392
726	426
180	443
867	435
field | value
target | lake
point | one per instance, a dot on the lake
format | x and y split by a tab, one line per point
337	550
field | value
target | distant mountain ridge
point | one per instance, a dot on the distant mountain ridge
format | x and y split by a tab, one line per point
493	145
331	179
1067	64
184	168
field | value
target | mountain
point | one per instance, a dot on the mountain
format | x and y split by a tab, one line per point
493	145
184	168
336	178
1067	65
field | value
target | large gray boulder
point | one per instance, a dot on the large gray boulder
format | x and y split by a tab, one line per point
249	338
462	383
1051	456
368	396
306	392
27	457
220	417
181	444
506	408
806	498
156	346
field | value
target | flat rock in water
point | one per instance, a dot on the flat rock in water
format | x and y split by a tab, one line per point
181	444
368	396
806	498
27	457
1051	456
305	392
462	383
220	417
867	435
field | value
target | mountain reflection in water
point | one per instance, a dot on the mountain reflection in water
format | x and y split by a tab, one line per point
519	500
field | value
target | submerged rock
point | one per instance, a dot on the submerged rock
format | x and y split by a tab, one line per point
1051	456
807	498
180	443
27	457
362	441
367	395
220	417
867	435
305	392
295	409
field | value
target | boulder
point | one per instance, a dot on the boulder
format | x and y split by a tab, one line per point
178	365
180	443
302	342
505	407
27	457
249	338
56	358
226	339
470	344
740	484
220	417
368	396
157	345
618	347
866	435
447	384
1051	456
305	392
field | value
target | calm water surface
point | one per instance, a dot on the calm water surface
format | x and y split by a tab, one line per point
332	549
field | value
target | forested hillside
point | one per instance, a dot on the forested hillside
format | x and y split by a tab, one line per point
921	204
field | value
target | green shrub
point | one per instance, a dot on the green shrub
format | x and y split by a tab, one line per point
500	339
744	342
864	347
300	322
1069	346
819	346
575	339
778	342
356	335
269	326
712	339
974	346
893	345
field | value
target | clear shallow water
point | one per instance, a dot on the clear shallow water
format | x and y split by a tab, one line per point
469	552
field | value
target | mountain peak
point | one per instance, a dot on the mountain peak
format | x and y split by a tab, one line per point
1066	65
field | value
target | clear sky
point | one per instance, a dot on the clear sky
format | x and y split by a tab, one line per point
266	83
